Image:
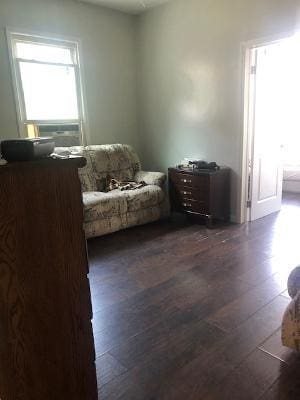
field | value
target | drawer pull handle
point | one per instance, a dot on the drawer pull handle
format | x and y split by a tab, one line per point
187	205
183	192
186	180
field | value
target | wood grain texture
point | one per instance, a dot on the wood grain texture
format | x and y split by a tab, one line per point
186	312
47	349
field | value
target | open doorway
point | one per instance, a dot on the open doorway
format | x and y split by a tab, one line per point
272	126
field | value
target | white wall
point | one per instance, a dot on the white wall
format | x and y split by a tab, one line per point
108	57
191	77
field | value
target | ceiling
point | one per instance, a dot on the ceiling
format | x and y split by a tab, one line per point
129	6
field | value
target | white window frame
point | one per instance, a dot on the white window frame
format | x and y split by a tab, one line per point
14	36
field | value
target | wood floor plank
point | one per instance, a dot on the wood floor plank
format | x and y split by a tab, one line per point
174	384
108	368
176	340
218	296
184	312
154	356
287	386
274	346
112	290
249	380
237	311
116	324
126	387
255	330
200	376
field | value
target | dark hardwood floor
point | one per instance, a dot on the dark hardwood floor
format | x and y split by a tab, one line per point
183	312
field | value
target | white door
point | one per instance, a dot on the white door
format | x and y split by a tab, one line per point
266	160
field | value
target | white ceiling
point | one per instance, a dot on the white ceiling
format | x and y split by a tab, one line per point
129	6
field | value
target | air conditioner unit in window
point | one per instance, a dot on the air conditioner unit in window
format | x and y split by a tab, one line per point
63	135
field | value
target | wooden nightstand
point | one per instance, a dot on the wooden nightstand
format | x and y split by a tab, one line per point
201	192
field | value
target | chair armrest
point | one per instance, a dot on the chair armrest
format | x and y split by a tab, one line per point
150	178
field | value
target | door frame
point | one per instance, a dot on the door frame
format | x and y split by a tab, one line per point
248	118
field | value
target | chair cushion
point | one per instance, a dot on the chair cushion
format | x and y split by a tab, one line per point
145	197
99	205
118	161
290	333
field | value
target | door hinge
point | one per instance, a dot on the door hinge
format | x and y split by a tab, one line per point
249	192
253	69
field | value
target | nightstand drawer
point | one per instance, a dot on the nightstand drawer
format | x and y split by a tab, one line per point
194	194
195	206
188	180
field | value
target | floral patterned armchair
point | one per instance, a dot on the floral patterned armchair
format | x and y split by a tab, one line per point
106	212
291	320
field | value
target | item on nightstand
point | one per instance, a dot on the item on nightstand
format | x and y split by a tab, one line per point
198	164
204	165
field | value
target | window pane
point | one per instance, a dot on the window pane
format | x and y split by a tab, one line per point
44	53
49	92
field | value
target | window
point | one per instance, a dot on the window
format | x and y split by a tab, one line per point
48	89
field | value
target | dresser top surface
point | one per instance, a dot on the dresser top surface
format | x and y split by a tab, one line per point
76	161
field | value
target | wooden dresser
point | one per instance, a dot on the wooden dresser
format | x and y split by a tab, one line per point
46	341
204	193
